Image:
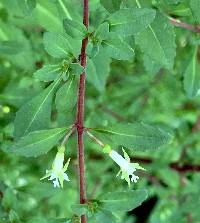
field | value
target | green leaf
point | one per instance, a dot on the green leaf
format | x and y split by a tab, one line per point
111	5
130	21
35	114
26	6
98	69
48	73
151	66
118	49
94	51
80	209
46	15
105	216
162	49
123	200
195	7
10	47
136	136
102	32
76	69
57	45
38	142
192	76
75	29
66	9
66	96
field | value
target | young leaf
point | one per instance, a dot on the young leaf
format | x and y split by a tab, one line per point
123	200
48	73
111	5
35	114
195	6
102	31
136	136
38	142
118	49
130	21
75	29
98	69
66	96
192	76
157	43
75	69
57	45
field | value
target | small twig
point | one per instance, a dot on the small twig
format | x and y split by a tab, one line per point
183	25
196	126
68	135
189	218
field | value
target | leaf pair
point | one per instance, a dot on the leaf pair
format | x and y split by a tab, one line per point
152	32
157	43
103	209
33	119
122	23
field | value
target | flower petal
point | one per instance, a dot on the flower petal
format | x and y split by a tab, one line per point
66	165
48	173
56	183
52	177
66	177
134	178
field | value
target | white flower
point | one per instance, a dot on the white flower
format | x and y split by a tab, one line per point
57	173
127	168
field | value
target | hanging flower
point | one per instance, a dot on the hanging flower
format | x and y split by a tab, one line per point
57	173
127	168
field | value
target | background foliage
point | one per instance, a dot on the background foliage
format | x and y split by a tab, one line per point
149	74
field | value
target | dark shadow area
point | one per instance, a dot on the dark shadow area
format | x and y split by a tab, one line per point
142	212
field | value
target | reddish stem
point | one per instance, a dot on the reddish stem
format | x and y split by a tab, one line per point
80	114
